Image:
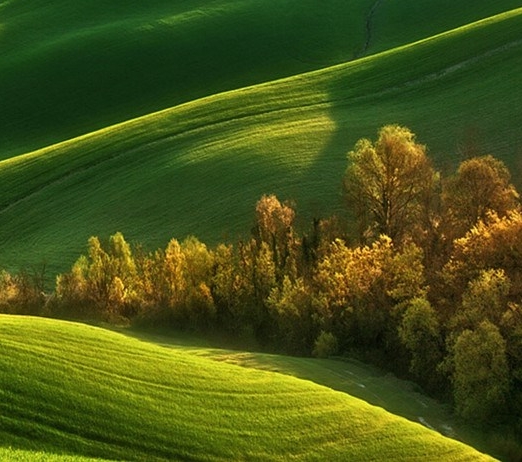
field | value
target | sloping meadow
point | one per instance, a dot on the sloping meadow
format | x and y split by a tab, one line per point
78	391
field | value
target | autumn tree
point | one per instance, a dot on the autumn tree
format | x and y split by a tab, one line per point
199	262
342	281
230	288
22	293
360	292
493	243
176	284
388	184
481	185
243	278
103	281
99	273
274	226
8	291
122	260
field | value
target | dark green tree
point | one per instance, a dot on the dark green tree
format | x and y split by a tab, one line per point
480	372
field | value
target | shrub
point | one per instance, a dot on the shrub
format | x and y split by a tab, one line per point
326	345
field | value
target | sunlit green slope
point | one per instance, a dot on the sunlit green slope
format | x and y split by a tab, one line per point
82	391
361	380
67	68
199	168
19	455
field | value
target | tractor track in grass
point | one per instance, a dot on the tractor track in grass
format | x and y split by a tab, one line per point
369	29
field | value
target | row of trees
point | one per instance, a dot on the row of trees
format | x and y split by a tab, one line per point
429	283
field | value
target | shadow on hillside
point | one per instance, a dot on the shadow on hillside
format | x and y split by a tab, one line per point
325	174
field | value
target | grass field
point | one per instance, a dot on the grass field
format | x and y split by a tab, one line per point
198	168
70	68
78	391
361	380
17	455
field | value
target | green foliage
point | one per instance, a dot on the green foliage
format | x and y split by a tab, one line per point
481	373
485	298
290	306
325	345
420	333
232	290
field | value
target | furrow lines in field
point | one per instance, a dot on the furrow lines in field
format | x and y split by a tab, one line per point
67	175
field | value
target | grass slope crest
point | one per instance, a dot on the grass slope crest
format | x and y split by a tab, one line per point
74	392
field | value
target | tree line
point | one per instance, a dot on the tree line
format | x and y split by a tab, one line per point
426	279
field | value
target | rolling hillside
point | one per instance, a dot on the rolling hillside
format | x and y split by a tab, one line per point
198	168
64	394
69	68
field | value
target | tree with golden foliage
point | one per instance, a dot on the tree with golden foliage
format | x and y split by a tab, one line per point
104	281
481	185
360	292
493	243
274	226
388	184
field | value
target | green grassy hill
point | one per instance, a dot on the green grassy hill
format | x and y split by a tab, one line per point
79	391
361	380
199	168
18	455
68	68
397	23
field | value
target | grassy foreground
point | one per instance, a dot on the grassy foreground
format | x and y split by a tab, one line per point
364	381
75	390
9	454
200	167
